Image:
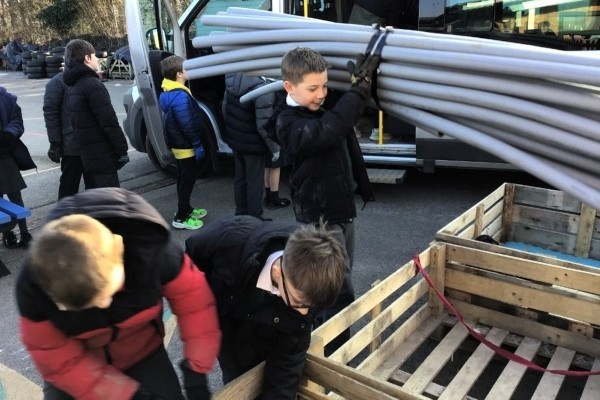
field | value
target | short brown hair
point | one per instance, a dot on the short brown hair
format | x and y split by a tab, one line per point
170	66
301	61
67	262
76	50
315	263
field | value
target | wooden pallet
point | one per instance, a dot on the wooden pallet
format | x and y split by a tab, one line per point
406	346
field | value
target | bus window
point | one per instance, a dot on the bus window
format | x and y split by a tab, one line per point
215	6
469	16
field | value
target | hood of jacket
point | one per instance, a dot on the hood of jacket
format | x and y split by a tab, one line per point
237	86
112	204
76	71
4	92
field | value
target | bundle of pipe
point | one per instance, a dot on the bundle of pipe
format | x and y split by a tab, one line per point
533	107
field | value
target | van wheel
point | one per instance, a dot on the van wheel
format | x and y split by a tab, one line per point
170	170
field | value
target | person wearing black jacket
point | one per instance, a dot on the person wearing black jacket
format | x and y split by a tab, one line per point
63	147
381	12
327	163
269	279
95	124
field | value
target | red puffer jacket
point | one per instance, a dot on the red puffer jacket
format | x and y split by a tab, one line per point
84	352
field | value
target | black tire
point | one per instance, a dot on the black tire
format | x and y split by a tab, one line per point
170	170
58	49
54	70
36	76
36	70
54	59
35	63
42	56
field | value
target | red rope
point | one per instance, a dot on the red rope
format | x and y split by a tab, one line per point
499	350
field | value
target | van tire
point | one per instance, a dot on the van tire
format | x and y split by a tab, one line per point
170	170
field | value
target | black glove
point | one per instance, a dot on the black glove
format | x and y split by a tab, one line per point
361	74
55	152
143	394
195	384
122	161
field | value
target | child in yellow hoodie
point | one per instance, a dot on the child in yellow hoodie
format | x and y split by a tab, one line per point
182	128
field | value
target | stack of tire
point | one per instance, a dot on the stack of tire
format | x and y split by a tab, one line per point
36	67
55	61
25	58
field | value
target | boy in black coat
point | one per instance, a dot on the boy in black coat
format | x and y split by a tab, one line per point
268	279
327	163
95	124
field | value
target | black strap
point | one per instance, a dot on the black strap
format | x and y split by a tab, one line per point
375	47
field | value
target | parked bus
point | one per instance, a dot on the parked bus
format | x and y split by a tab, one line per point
154	32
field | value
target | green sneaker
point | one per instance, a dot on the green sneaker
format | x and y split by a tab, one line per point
198	213
189	223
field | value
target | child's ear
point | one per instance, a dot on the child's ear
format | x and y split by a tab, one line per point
288	86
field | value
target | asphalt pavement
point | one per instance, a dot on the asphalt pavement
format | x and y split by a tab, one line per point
400	223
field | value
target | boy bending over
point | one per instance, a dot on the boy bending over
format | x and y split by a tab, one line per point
269	280
90	295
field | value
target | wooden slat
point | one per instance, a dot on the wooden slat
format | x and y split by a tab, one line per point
437	273
464	380
583	242
489	225
360	340
517	253
509	379
361	306
432	365
550	383
533	329
591	391
547	220
546	198
433	389
347	382
518	294
527	269
467	218
509	197
245	387
402	344
551	240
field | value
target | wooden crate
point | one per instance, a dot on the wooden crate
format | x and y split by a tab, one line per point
545	218
405	344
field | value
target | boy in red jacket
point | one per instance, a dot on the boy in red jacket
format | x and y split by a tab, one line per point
90	295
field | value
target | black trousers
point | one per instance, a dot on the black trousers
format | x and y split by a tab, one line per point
155	374
72	171
248	184
186	178
110	179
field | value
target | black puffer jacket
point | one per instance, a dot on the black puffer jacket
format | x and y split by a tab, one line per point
57	116
95	124
245	122
327	164
232	252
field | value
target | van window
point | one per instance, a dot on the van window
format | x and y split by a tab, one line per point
215	6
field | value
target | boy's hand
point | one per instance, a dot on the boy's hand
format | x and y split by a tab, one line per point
361	73
275	156
55	152
199	152
122	161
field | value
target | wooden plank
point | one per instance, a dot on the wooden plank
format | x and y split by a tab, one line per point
432	365
347	382
361	306
532	329
583	242
595	250
517	253
549	385
4	218
518	294
245	387
591	391
509	198
509	379
374	345
464	380
433	389
467	218
361	339
402	344
437	273
488	225
479	211
547	198
551	240
527	269
542	218
15	211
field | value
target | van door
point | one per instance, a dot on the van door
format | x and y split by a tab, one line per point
153	34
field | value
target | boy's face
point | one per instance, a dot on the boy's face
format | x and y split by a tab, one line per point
311	92
182	76
91	61
290	295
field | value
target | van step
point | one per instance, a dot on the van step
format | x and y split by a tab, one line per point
388	176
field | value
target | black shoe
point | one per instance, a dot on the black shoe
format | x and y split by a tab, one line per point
279	203
9	239
25	240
